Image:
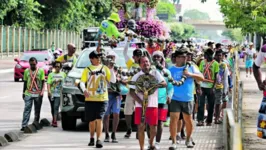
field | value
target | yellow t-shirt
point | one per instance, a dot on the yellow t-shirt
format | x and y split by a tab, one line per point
131	66
97	83
69	59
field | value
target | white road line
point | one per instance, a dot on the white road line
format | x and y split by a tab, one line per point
7	70
3	97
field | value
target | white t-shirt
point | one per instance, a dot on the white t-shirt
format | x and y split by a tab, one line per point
249	53
261	58
153	99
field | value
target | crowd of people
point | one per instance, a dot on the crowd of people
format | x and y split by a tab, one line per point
193	81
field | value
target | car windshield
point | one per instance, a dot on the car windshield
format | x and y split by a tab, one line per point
84	60
39	56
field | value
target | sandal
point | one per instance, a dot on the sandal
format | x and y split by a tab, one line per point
200	123
218	122
209	124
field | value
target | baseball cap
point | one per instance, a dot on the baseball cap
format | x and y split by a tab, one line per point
181	51
95	54
209	51
219	52
210	43
137	52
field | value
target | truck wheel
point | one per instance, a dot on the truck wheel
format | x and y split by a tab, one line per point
68	122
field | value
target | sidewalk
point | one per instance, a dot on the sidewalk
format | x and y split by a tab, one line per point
251	102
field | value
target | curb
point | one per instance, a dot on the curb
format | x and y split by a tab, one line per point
15	136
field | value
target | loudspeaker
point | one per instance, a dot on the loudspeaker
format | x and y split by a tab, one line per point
30	129
45	123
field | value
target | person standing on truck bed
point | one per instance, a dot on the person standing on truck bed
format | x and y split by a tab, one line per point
70	56
94	84
108	27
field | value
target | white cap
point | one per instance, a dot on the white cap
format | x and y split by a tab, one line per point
250	43
111	53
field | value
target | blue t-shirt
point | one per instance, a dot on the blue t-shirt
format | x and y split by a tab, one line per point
183	93
166	91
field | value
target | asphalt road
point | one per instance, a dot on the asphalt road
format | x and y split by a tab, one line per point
49	138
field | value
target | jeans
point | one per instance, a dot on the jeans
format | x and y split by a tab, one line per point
56	102
27	109
211	99
52	105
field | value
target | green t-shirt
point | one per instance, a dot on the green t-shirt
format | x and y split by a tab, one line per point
210	74
40	76
109	28
55	81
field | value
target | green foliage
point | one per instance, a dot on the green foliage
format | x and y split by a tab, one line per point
248	15
234	34
24	13
181	30
53	14
74	15
166	7
6	6
195	14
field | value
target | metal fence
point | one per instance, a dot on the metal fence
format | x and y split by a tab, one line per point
233	116
15	40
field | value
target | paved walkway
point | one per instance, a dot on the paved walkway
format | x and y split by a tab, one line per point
251	103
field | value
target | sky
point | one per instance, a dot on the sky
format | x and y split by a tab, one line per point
211	7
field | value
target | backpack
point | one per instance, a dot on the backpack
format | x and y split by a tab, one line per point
65	57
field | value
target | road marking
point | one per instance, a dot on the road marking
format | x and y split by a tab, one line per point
6	70
3	97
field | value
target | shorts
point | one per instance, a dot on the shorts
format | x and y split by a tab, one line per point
114	104
151	116
184	107
218	96
249	63
162	112
181	116
129	105
226	98
95	110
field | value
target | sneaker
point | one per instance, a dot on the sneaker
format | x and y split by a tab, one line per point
151	147
173	147
167	123
114	140
107	138
22	129
99	144
157	146
91	142
54	124
189	144
178	139
128	134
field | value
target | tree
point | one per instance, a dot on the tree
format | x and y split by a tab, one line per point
195	14
74	15
234	34
181	30
24	13
249	15
6	6
166	7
